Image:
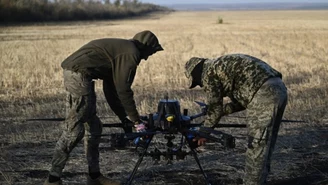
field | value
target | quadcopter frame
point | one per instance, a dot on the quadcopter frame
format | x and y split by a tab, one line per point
169	121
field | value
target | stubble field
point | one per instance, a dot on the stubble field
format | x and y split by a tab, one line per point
31	86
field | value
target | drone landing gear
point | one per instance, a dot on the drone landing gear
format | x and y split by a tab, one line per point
139	160
144	152
194	153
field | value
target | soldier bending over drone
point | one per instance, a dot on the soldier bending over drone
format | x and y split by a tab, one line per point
250	84
115	62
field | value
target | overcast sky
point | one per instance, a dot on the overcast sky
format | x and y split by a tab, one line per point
225	1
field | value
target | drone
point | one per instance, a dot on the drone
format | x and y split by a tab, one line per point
169	121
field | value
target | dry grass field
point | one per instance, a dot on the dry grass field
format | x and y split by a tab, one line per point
293	42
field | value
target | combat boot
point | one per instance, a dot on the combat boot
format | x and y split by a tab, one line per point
46	182
101	180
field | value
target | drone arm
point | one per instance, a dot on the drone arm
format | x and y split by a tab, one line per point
197	116
203	113
148	133
226	140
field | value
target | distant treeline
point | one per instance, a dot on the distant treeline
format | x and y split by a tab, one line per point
70	10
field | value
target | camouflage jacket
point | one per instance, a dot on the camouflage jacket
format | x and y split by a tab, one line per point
236	76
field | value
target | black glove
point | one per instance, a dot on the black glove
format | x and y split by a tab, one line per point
127	125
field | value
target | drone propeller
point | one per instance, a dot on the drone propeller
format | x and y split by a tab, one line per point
201	104
283	120
58	119
46	119
132	136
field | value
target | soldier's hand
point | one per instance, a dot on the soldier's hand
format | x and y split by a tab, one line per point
127	125
140	126
200	141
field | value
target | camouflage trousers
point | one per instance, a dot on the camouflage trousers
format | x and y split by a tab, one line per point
81	121
264	115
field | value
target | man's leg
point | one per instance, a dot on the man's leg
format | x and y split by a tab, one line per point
79	89
276	125
260	126
93	130
264	115
71	136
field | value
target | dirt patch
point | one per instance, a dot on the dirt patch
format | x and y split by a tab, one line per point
300	158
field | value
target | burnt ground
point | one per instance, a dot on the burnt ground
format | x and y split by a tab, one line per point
300	158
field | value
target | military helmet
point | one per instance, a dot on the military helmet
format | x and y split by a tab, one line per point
148	39
189	67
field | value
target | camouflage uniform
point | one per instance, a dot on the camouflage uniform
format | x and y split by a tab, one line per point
81	119
250	84
115	62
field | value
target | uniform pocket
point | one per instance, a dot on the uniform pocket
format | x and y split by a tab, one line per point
77	83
